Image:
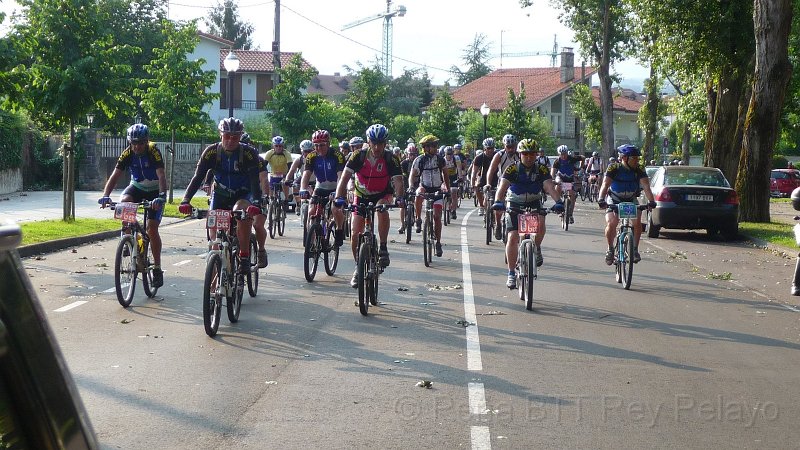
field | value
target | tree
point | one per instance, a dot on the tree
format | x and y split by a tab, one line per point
365	103
441	119
288	108
71	65
175	94
517	119
476	58
403	127
790	119
772	21
409	92
651	114
586	109
224	21
602	31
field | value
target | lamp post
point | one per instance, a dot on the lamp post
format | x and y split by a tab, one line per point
90	119
231	64
485	110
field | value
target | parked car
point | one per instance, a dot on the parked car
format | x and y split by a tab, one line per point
783	181
690	197
39	402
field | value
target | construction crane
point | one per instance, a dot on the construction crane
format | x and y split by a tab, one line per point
553	54
399	11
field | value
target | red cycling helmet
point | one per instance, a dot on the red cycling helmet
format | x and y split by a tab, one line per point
321	137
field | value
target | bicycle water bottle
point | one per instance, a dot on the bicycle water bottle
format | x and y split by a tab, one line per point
140	243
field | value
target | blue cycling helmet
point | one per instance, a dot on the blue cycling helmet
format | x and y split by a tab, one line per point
356	142
377	133
231	125
277	140
138	132
628	150
509	140
457	147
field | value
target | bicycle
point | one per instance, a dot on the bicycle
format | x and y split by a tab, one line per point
446	209
566	216
320	239
133	255
528	226
584	192
223	276
368	263
428	229
488	213
304	206
625	241
276	215
409	214
594	187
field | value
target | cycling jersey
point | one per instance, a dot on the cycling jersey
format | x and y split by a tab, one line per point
482	162
507	159
526	182
325	168
451	167
430	174
278	162
235	173
543	160
566	166
142	167
373	174
625	182
594	164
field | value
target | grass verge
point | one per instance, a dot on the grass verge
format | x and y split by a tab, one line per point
50	230
775	233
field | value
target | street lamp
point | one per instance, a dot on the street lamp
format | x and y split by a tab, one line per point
231	64
90	119
485	110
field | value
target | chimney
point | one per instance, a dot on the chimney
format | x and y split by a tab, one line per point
567	64
336	74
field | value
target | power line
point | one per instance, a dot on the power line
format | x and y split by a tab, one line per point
212	7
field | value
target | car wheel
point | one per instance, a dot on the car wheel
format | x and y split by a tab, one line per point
731	232
712	231
652	230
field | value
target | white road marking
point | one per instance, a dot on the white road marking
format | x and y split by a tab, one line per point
112	290
71	305
477	399
185	261
481	440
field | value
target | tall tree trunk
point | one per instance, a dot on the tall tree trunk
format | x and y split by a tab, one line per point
686	139
603	73
772	22
653	100
721	150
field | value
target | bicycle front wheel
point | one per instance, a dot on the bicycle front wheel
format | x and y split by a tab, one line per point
281	218
427	243
125	270
627	263
252	274
530	274
212	295
234	304
409	221
566	215
304	220
311	253
364	285
331	251
147	275
272	219
489	218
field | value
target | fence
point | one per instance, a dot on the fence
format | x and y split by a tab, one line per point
112	146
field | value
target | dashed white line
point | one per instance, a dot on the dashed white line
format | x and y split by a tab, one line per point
477	399
180	263
480	437
112	290
71	305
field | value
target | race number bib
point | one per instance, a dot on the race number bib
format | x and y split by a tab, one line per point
567	187
528	223
627	210
126	211
218	219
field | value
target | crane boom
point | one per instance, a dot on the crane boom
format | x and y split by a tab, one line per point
364	20
399	11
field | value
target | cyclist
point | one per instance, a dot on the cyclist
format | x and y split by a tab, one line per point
260	220
522	186
344	148
326	165
376	171
148	182
429	171
592	169
480	167
356	143
564	170
465	161
501	161
405	168
236	183
452	165
278	160
623	182
296	172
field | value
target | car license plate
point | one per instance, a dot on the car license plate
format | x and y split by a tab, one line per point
700	198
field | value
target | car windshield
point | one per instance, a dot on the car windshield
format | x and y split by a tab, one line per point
696	178
778	175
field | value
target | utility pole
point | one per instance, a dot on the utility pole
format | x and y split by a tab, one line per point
276	46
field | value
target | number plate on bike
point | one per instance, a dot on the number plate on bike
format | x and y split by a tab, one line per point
567	187
218	219
528	223
126	211
797	233
627	210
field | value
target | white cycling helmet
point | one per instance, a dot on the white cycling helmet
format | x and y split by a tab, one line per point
562	149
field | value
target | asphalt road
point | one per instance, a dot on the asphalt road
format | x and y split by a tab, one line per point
688	358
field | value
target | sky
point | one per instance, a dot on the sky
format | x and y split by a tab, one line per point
432	35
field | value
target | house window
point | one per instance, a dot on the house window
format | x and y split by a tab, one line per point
555	120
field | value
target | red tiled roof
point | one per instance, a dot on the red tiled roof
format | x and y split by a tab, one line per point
540	84
216	38
625	100
330	85
257	61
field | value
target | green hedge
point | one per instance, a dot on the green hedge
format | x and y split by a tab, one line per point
12	133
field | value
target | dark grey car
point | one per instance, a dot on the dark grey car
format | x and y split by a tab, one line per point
689	197
39	403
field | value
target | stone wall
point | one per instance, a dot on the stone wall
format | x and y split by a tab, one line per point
10	180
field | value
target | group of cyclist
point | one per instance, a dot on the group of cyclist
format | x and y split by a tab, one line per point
362	171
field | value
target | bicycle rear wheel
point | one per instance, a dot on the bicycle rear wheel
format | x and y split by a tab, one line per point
281	218
212	295
125	270
364	285
409	221
489	218
627	263
252	274
147	275
312	251
374	276
427	243
446	210
332	251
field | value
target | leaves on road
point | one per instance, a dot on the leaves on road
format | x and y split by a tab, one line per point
427	384
436	287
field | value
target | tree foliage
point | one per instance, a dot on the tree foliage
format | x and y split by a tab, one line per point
288	108
517	119
402	128
476	60
409	92
441	119
586	109
365	103
224	20
175	91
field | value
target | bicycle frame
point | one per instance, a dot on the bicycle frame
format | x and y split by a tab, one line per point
624	241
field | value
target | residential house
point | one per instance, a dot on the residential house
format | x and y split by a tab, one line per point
627	104
333	87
